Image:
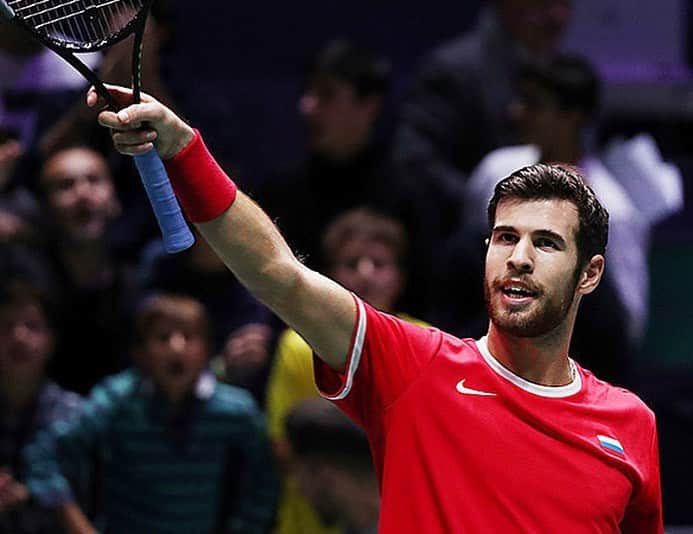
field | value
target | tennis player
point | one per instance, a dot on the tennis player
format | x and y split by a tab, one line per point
501	434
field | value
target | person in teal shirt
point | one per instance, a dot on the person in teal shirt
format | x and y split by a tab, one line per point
178	452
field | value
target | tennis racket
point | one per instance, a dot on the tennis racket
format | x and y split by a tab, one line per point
72	26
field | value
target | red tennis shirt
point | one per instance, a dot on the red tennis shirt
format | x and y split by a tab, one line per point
463	445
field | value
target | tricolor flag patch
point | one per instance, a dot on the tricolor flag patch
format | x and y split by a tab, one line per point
610	443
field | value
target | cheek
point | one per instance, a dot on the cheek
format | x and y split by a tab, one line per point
62	202
389	279
104	195
347	277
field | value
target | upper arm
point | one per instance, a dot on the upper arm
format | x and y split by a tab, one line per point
319	309
324	314
644	512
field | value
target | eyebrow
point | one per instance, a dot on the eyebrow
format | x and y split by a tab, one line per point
542	232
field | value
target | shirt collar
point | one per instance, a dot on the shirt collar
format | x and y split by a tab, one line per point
543	391
204	387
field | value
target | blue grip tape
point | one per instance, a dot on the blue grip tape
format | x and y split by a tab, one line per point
177	236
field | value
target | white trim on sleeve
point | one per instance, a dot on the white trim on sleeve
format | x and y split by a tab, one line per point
355	356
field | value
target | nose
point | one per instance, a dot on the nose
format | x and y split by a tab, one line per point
307	104
365	267
522	258
177	341
20	332
82	188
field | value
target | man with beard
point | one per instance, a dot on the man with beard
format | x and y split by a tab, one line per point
79	203
502	434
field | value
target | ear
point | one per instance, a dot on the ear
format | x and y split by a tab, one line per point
591	275
114	207
372	104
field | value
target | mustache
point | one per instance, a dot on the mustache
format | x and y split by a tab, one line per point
498	283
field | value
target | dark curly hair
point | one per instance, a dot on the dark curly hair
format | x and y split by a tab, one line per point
560	182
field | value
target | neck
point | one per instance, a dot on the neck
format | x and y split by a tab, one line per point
542	360
569	152
17	395
348	149
87	263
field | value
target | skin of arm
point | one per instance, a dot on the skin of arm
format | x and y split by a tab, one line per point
74	520
245	238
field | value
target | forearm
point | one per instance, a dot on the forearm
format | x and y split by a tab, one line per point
74	520
250	245
242	235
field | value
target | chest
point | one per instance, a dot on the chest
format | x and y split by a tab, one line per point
146	449
470	437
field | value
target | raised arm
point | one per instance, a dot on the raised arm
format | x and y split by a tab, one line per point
243	236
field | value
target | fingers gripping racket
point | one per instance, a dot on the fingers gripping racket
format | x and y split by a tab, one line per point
72	26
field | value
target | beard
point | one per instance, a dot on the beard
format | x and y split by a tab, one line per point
541	316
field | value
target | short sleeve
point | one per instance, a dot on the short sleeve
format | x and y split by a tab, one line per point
644	512
387	354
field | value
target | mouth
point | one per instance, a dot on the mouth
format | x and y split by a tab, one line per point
175	369
518	292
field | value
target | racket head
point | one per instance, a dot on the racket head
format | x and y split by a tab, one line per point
78	25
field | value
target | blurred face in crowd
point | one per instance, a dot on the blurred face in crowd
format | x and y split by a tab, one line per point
26	341
173	353
79	193
532	282
369	268
536	24
338	120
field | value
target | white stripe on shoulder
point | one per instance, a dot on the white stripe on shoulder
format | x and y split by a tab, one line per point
355	356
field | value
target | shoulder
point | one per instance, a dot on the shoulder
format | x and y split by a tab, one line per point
232	401
608	189
117	386
502	162
59	402
412	320
112	393
617	401
463	52
291	340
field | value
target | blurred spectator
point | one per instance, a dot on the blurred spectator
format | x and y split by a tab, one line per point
29	402
347	165
178	451
366	252
16	203
243	334
36	85
332	462
554	111
457	110
78	202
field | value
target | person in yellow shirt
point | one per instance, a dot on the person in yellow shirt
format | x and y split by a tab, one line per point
365	251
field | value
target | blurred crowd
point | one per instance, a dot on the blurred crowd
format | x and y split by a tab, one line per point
147	392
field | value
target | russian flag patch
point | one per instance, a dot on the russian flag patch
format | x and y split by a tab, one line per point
610	443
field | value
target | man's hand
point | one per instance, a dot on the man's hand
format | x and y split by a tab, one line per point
138	127
247	350
10	151
12	493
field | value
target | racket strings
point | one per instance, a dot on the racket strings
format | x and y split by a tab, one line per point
82	23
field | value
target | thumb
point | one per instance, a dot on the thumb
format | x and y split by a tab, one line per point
136	114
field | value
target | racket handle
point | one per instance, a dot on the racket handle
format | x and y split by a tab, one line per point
177	236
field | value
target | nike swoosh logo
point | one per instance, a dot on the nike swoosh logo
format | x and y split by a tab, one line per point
468	391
